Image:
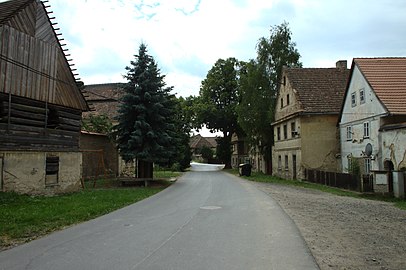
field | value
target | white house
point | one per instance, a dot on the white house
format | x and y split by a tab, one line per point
373	122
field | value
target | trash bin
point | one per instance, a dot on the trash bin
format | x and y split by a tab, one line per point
245	169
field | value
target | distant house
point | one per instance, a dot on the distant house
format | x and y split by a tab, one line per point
239	150
373	121
307	110
198	142
40	104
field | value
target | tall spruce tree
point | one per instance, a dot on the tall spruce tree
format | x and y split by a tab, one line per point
145	129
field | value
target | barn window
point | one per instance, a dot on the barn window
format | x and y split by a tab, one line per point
51	170
53	118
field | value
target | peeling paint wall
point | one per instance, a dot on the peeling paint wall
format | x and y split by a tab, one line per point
25	172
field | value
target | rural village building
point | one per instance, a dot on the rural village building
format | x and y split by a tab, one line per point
197	142
373	122
100	153
40	104
305	126
239	154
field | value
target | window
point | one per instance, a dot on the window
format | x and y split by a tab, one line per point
293	129
278	133
362	96
51	170
285	131
281	102
349	133
366	130
367	164
279	163
287	100
353	99
286	163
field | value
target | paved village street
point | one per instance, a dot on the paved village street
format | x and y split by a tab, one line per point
206	220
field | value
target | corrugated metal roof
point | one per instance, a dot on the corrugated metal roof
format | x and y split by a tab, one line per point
319	90
387	77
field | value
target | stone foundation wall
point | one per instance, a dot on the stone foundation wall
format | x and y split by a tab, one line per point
26	172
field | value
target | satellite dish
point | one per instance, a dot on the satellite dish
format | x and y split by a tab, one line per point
368	149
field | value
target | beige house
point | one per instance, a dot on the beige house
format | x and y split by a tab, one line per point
305	126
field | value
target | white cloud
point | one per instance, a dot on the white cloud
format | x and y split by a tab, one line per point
186	37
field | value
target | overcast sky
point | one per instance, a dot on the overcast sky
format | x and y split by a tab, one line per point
186	37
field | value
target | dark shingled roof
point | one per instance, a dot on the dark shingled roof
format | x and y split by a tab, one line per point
319	90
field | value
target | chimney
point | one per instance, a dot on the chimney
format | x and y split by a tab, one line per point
341	64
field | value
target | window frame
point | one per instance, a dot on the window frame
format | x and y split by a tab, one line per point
349	133
362	96
353	99
367	129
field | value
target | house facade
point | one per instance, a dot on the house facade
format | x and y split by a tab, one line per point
239	151
40	104
307	110
373	121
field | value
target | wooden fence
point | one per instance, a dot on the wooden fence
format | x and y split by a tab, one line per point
333	179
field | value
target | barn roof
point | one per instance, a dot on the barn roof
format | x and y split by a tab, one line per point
33	64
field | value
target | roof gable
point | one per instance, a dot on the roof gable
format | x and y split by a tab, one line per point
318	90
33	64
387	78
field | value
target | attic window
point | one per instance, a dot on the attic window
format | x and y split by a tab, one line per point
281	102
362	96
353	99
53	120
287	100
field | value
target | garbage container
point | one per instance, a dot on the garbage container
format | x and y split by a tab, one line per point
245	169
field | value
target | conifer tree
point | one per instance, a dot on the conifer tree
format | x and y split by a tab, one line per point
145	129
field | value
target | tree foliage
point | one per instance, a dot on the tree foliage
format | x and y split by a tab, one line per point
97	123
146	128
259	82
216	105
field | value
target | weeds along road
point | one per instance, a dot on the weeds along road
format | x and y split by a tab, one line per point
206	220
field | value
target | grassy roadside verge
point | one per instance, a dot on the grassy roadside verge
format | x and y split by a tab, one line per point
24	218
259	177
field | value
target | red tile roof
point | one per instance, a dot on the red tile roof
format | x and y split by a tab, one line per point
319	90
387	77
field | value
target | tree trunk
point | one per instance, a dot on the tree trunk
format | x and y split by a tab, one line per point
145	169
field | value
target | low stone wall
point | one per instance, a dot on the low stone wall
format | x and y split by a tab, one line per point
33	172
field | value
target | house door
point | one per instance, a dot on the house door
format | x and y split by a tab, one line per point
388	166
294	172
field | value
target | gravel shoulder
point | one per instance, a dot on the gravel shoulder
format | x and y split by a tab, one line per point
344	232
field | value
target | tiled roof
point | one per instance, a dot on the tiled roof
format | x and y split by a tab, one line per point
199	141
319	90
387	77
104	99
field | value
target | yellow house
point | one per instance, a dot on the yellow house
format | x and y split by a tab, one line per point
305	126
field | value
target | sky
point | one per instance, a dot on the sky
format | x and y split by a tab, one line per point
186	37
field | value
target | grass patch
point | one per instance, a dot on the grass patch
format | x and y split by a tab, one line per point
260	177
23	217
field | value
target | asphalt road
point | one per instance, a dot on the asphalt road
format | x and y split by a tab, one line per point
206	220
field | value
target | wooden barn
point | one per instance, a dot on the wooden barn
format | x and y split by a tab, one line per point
41	103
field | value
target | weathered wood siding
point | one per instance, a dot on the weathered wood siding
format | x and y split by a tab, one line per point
34	125
32	62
